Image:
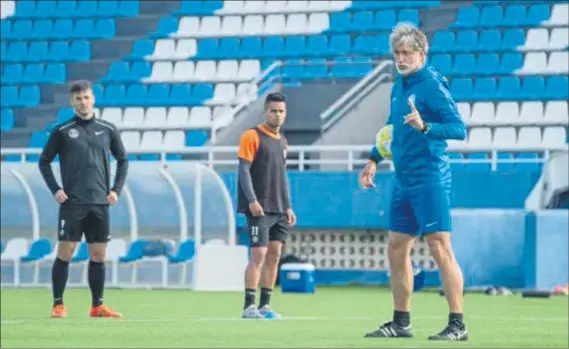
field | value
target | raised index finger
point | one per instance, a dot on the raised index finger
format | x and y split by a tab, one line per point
411	102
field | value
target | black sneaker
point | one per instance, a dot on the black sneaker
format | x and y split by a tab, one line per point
391	330
453	332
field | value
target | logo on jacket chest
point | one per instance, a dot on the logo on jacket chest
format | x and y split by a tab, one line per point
73	133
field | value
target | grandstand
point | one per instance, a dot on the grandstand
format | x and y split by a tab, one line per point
182	79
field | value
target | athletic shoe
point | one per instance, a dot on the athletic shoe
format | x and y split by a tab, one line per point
104	311
453	332
268	313
58	311
251	312
391	330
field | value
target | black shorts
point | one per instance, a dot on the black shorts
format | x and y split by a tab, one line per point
91	220
270	227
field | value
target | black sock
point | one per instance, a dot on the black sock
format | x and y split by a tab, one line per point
402	318
456	319
249	297
96	282
59	274
265	296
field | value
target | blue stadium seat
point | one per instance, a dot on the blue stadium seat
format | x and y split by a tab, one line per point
64	114
409	15
272	46
22	29
294	46
477	166
250	47
533	88
9	96
16	52
361	21
186	251
157	94
557	88
207	48
114	95
29	96
118	72
340	22
490	40
45	8
39	249
12	73
462	88
464	64
513	38
467	17
316	45
105	28
136	94
365	45
488	64
293	69
197	8
179	94
98	92
55	73
442	63
514	15
43	29
538	13
135	252
59	51
491	16
316	68
38	139
6	29
25	9
230	47
87	8
339	44
511	61
383	44
341	68
196	138
166	26
129	8
361	66
443	41
85	29
7	118
201	92
66	9
505	162
509	88
80	51
466	41
485	89
107	8
33	73
38	51
157	248
63	29
384	20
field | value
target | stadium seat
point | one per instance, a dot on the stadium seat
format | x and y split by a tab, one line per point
15	249
556	111
135	252
38	249
559	16
7	117
186	252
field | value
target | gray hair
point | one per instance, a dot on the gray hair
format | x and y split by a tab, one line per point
408	35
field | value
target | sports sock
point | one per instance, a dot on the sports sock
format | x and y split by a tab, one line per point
59	275
265	296
457	319
249	297
402	318
96	282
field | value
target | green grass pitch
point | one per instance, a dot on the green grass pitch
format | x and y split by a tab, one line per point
332	318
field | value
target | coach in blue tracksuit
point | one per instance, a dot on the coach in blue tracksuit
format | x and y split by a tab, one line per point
424	116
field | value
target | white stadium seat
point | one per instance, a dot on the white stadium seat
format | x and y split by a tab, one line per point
133	117
464	110
504	137
186	48
164	49
529	137
296	24
482	113
249	69
174	139
188	26
254	6
151	139
555	136
131	139
315	5
247	92
113	115
177	116
537	39
161	71
233	6
557	111
340	5
507	112
480	137
205	70
231	25
200	117
155	117
318	22
296	6
534	63
223	93
558	62
254	25
15	249
559	16
531	112
210	26
183	71
559	38
275	24
227	70
278	6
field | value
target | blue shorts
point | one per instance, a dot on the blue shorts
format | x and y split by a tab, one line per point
420	210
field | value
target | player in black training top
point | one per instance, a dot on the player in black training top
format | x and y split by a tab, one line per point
83	145
263	196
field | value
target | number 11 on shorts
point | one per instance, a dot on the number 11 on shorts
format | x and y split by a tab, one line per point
254	234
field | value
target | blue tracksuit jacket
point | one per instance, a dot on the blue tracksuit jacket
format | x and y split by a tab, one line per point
421	158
